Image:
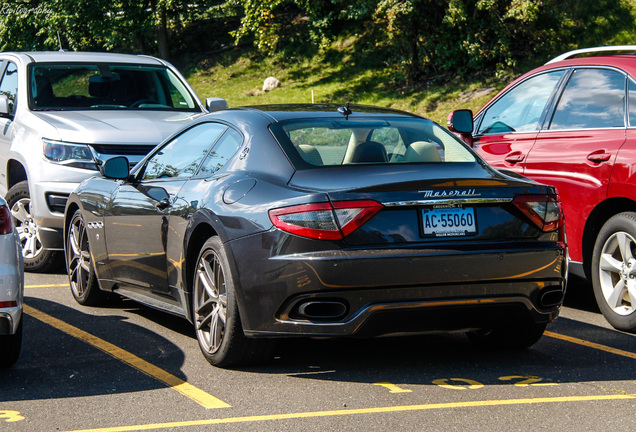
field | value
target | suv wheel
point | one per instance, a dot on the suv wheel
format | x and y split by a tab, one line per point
614	271
36	258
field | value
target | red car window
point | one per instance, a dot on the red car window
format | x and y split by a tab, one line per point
592	99
520	109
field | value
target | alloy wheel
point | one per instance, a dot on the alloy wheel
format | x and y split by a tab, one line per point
210	303
78	257
617	272
27	228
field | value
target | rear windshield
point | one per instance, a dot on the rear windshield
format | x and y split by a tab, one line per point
330	142
73	86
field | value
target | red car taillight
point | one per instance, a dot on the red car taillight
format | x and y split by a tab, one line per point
543	210
324	221
6	226
8	304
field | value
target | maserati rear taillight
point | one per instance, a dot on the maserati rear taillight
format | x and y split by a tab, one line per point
6	225
543	210
324	221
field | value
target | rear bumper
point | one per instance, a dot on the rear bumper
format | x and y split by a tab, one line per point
9	321
11	283
349	292
390	317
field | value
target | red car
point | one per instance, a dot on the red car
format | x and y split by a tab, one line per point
571	123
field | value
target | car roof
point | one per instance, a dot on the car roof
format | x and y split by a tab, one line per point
297	111
78	56
611	49
626	62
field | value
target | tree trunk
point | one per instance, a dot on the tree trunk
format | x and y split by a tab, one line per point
161	29
415	69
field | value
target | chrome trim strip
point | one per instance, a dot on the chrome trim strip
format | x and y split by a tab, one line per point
447	202
569	54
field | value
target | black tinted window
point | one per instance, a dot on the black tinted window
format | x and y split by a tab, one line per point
521	109
9	85
332	142
181	156
76	86
592	99
222	151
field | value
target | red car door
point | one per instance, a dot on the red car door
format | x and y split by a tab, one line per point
577	150
624	172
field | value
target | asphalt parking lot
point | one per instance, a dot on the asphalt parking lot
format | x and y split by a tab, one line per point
130	368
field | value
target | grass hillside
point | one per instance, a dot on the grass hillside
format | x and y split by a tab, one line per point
335	75
359	68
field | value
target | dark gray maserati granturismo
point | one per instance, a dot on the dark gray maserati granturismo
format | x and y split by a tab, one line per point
257	223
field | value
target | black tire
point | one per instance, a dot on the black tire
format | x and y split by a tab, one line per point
510	338
216	315
36	258
79	264
614	271
10	346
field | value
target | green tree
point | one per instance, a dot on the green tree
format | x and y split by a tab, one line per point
138	26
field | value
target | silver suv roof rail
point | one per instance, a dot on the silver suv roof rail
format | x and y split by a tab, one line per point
614	48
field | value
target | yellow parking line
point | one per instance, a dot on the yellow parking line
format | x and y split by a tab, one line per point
46	286
591	345
379	410
199	396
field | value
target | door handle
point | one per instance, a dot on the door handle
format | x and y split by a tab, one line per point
163	204
598	157
515	157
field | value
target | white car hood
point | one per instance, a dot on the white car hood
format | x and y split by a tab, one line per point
114	127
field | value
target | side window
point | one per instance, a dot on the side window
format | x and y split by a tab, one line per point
223	150
9	86
592	99
632	103
520	109
181	156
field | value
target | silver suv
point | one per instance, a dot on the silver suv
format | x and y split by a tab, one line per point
62	114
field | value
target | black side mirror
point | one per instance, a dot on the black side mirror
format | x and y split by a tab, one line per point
460	121
116	168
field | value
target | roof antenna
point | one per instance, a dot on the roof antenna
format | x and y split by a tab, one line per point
59	41
345	111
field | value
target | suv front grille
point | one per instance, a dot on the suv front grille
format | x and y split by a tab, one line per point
123	149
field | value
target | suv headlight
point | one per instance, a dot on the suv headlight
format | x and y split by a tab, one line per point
70	154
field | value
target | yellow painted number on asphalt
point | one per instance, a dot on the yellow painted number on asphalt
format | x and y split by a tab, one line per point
10	416
525	381
393	388
469	384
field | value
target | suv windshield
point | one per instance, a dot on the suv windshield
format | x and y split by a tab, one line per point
73	86
328	142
